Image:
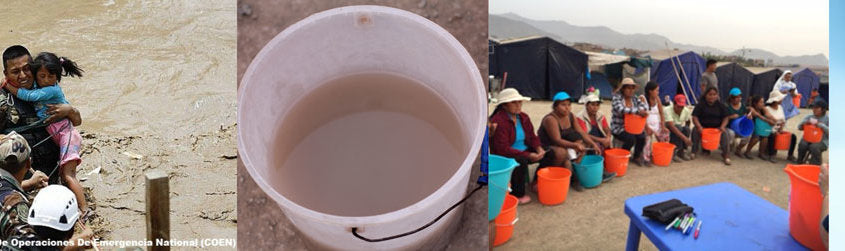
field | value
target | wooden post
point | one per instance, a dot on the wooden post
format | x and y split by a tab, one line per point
158	208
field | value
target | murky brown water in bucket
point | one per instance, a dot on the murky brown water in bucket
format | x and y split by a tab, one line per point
366	144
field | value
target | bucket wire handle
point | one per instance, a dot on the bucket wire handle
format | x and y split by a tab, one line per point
511	224
355	229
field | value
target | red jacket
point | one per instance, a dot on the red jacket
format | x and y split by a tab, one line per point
505	134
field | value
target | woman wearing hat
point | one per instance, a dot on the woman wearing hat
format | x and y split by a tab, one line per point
560	134
819	119
773	106
594	122
514	138
737	109
711	114
623	103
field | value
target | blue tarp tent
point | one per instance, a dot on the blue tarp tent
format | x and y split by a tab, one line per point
764	80
600	82
805	80
732	75
539	67
664	73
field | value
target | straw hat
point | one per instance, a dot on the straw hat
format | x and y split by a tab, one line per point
626	81
509	95
775	96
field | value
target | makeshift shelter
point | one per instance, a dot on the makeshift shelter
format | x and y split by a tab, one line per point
764	80
805	80
732	75
539	67
670	65
600	82
612	69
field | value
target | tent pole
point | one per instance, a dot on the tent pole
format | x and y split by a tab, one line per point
504	81
684	73
675	70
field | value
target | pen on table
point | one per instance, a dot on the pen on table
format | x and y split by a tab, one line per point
681	222
684	222
697	228
689	226
673	223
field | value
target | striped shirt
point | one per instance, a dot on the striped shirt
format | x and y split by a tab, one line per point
617	122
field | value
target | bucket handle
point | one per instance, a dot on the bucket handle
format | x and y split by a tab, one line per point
355	229
506	189
510	224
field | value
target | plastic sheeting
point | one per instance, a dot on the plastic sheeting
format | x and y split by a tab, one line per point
805	80
539	67
600	82
734	75
665	74
764	81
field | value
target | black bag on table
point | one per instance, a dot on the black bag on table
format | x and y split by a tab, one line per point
666	211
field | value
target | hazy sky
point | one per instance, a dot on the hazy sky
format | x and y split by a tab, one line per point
787	28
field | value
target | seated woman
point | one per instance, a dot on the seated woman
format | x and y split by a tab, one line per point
710	114
514	138
763	121
819	119
565	140
737	109
774	107
623	103
655	128
595	123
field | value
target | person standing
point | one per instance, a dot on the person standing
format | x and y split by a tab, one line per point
708	78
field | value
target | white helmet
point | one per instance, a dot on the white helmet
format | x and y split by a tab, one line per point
55	207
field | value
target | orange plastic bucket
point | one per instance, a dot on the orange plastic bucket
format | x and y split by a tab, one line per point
782	140
616	161
805	205
553	185
812	134
661	153
505	221
710	138
796	100
634	124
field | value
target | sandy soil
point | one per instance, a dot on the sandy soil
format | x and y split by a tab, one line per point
263	225
595	219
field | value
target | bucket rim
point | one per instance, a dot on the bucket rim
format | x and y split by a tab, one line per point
456	180
790	169
548	169
490	173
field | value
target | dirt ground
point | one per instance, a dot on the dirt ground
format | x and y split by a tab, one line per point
262	224
595	219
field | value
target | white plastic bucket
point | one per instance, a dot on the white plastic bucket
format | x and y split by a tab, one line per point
345	41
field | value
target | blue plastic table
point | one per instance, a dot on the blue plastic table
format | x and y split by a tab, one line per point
733	219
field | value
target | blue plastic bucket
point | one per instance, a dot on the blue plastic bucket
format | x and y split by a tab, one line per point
762	128
500	175
742	126
589	171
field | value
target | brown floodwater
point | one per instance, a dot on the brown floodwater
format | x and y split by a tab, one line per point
366	144
151	67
